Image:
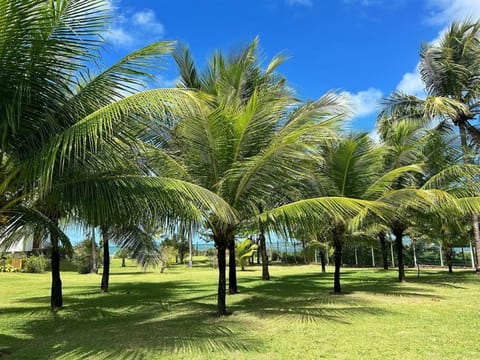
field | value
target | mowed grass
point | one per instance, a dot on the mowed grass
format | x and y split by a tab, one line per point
172	316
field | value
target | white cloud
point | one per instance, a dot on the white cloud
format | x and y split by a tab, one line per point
443	12
412	83
119	37
300	2
366	102
135	29
147	20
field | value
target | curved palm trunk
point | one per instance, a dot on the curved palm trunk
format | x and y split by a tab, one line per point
398	229
56	298
106	262
338	249
232	265
222	281
263	251
383	249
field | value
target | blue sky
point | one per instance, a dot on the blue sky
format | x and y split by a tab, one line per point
363	48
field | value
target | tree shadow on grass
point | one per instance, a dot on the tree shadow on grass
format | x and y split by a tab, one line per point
136	320
303	298
133	321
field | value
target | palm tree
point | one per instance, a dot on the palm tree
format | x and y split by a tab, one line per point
350	185
250	144
450	70
69	139
244	251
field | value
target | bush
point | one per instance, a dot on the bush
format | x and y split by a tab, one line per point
35	264
82	256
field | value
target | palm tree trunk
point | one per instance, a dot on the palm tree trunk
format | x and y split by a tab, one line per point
56	298
448	256
338	248
383	249
94	268
263	251
476	236
472	258
323	261
232	265
106	262
222	281
398	228
373	256
123	262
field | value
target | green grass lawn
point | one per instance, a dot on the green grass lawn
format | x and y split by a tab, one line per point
171	316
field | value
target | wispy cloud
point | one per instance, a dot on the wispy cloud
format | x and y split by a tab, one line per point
364	103
300	2
372	3
135	29
443	12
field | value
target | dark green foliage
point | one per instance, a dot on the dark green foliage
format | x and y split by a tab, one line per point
35	264
82	256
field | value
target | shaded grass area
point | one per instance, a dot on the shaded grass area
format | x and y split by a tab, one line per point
172	316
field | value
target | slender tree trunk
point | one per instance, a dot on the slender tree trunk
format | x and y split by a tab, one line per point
295	252
323	261
415	262
106	262
263	251
391	252
232	265
383	249
464	258
476	236
338	249
472	257
398	228
222	281
190	253
448	257
356	257
123	262
94	253
441	255
373	256
56	298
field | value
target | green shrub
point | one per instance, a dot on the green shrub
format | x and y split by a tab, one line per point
82	256
35	264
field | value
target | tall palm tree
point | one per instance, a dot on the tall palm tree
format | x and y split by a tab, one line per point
450	70
251	143
69	139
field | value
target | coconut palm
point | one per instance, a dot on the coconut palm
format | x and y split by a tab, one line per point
349	184
69	138
251	143
244	251
450	70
